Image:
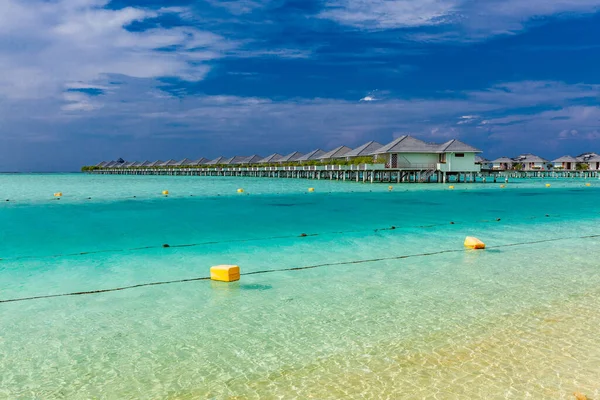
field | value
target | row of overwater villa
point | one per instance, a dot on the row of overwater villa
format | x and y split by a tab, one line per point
406	159
531	162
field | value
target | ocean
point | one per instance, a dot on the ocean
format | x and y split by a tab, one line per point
351	291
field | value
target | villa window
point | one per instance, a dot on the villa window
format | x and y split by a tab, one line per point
460	155
442	158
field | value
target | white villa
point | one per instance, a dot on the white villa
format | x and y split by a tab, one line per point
565	163
407	152
502	164
532	162
486	165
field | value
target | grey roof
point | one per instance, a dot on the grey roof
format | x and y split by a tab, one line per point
594	158
254	159
199	161
585	156
218	160
313	155
366	149
168	163
338	152
110	164
456	146
503	160
101	164
145	164
565	159
137	164
272	158
291	157
185	161
234	160
155	163
530	158
479	159
408	144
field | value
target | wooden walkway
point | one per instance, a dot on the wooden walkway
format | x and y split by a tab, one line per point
358	173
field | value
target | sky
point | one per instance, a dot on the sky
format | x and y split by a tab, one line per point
83	81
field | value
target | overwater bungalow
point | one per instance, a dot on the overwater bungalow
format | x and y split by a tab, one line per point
593	162
455	155
531	162
408	152
146	164
312	156
156	163
366	149
565	163
502	164
271	159
339	153
101	164
290	157
485	164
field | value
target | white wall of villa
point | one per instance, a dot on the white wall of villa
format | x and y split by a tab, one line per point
534	166
412	160
463	162
593	165
565	166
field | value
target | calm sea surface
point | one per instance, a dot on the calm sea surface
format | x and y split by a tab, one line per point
518	320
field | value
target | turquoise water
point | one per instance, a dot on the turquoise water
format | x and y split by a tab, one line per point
508	322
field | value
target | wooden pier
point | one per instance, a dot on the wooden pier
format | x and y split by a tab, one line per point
359	173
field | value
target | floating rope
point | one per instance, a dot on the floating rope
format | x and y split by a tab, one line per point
331	264
302	235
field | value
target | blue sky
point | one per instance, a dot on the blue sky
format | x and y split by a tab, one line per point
83	81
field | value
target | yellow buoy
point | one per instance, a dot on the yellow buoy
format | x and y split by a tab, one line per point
502	186
311	189
588	184
225	273
548	185
165	192
474	243
451	187
58	194
390	187
240	190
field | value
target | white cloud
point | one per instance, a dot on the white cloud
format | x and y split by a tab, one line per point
388	14
66	43
469	19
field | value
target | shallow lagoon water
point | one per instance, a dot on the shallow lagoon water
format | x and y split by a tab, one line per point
508	322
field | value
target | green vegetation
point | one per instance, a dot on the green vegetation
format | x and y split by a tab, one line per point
582	166
518	166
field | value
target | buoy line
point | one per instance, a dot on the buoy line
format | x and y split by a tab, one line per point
290	269
302	235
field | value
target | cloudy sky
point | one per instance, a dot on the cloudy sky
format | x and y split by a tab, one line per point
83	81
